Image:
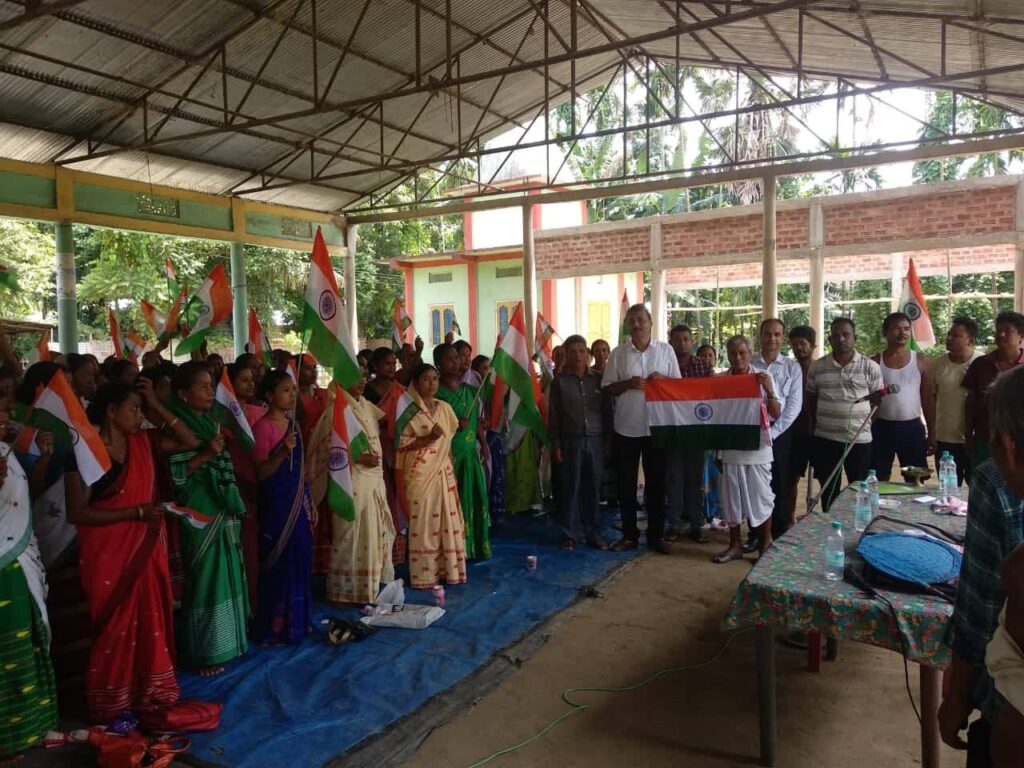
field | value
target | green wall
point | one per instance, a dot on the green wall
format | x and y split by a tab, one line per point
122	202
490	291
269	225
426	293
26	189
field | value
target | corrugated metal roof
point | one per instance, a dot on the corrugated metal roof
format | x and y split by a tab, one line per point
84	71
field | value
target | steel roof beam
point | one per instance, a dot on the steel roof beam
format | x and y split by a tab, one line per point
245	4
889	86
37	10
197	60
611	47
882	155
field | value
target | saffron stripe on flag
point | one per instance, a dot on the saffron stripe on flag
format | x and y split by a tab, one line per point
702	388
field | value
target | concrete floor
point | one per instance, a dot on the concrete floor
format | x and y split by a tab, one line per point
663	612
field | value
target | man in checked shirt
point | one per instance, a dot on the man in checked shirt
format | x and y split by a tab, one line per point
995	527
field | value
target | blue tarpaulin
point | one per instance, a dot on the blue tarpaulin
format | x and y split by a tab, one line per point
304	704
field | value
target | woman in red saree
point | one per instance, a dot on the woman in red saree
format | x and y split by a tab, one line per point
123	560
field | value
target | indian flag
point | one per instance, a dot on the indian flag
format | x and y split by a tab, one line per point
719	412
162	323
58	400
211	305
402	322
399	412
126	346
512	363
348	443
191	517
173	286
258	343
542	346
229	411
623	310
324	328
913	305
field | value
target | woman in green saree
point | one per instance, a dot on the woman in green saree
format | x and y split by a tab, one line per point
28	698
469	452
215	607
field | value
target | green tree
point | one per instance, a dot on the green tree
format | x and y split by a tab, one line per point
956	114
28	249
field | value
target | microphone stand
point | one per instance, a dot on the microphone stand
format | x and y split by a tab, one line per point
812	501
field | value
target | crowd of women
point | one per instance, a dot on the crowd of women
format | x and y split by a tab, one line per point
201	537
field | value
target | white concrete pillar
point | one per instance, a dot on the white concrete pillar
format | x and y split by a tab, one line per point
239	299
896	279
816	241
659	313
67	301
351	242
529	271
769	279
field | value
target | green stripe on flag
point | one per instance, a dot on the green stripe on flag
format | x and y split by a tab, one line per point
734	437
360	445
192	342
340	502
329	351
518	380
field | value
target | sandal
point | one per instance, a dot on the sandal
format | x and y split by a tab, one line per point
598	543
623	544
568	545
727	556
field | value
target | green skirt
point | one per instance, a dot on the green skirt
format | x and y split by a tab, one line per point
28	698
469	474
522	482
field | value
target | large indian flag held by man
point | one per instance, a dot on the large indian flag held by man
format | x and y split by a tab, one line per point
324	328
719	412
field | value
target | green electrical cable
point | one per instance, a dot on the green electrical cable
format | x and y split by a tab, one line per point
577	708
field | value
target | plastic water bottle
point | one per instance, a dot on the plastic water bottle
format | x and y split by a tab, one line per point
862	510
835	553
875	498
947	477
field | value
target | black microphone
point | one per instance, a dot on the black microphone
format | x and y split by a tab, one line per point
889	389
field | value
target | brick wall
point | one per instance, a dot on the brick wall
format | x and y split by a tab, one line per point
955	214
982	210
878	266
590	251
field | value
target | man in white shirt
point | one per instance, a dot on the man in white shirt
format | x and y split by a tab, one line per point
631	365
789	391
949	395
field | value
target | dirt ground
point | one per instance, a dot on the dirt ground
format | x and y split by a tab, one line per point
663	612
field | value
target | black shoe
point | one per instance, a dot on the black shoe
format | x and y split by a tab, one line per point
752	545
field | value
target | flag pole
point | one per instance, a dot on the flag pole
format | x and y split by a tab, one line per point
476	397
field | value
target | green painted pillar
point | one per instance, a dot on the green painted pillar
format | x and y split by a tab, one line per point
239	298
67	303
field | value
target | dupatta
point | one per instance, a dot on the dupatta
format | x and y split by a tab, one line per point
421	465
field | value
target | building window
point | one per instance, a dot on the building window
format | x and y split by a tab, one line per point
439	277
508	272
505	310
441	318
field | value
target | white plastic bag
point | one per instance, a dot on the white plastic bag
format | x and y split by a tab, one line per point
391	610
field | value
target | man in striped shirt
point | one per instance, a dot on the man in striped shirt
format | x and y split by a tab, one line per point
834	384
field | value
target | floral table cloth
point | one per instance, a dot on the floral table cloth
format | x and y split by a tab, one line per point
787	588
